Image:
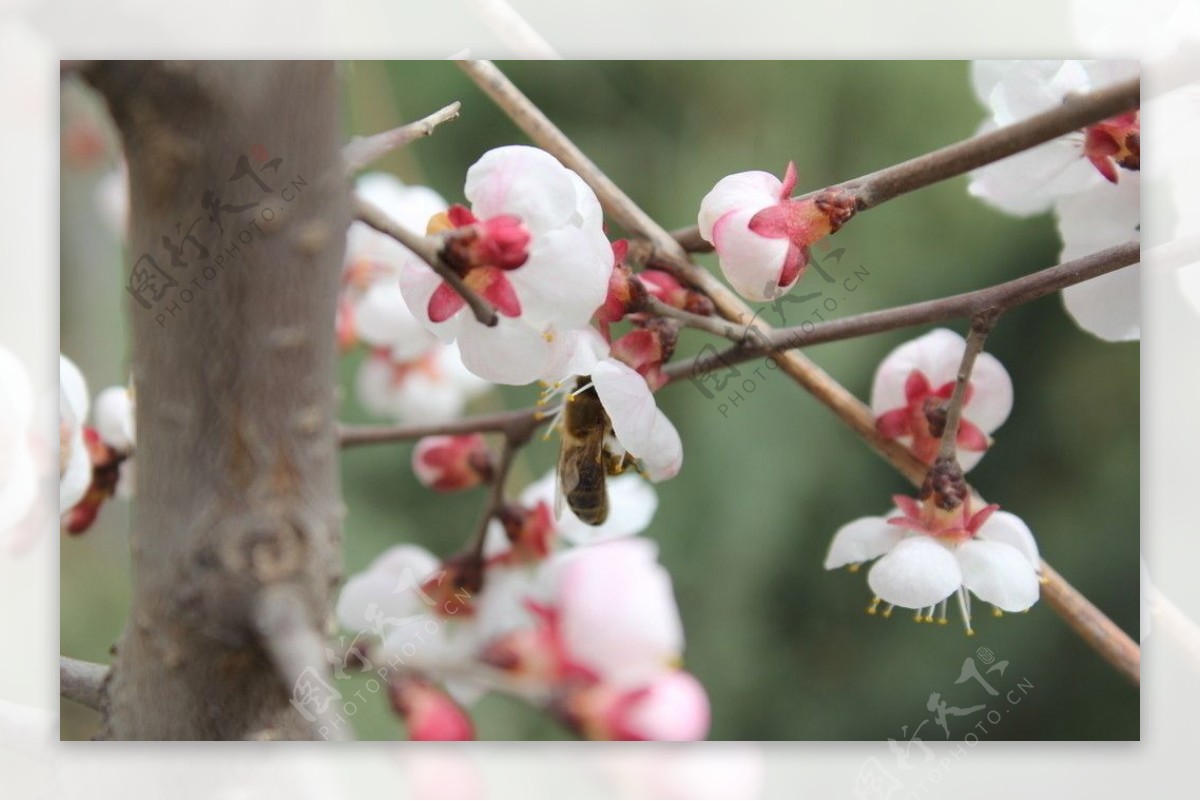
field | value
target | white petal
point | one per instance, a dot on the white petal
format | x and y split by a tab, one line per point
751	263
114	414
411	206
1011	530
390	583
383	319
998	573
618	612
991	394
508	353
523	181
1107	306
937	354
501	606
448	359
422	399
641	428
565	279
744	191
1029	182
918	572
862	540
575	352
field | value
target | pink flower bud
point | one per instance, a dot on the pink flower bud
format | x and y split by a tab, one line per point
428	712
452	463
646	349
667	288
761	235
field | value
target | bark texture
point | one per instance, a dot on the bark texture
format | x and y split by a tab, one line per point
233	369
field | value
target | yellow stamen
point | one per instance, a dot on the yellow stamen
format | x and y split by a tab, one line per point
854	567
874	607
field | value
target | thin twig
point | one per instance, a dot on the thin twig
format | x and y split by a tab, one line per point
362	150
352	435
713	325
981	326
82	682
495	499
999	297
296	649
1075	113
429	250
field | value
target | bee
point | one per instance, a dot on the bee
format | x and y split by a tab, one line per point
584	462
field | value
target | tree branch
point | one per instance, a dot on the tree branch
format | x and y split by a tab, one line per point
1076	112
81	682
429	250
362	150
998	298
1114	645
295	648
508	423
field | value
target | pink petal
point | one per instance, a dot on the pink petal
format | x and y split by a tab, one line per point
444	303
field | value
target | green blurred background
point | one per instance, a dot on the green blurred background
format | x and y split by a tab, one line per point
783	647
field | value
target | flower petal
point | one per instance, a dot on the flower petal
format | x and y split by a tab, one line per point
1107	306
747	192
752	264
998	573
388	586
1011	530
862	540
526	182
509	353
639	425
918	572
618	612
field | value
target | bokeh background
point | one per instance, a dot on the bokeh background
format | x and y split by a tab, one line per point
784	648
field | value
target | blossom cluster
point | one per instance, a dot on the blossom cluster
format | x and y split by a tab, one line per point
579	620
95	461
1089	178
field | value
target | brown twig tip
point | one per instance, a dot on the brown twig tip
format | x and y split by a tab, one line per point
362	150
981	326
429	250
82	682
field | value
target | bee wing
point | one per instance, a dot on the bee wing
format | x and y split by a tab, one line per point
568	479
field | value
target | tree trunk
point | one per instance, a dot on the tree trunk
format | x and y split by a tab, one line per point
236	167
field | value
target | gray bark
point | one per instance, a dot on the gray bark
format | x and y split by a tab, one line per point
237	476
